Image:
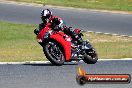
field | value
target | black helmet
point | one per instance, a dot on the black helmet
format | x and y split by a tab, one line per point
46	13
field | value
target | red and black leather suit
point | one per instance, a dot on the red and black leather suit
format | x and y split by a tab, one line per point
57	23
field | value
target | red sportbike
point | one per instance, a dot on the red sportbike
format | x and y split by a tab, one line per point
59	47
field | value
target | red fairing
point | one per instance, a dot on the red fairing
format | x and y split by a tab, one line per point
43	31
66	44
58	36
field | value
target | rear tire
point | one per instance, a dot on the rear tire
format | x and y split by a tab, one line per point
90	56
53	52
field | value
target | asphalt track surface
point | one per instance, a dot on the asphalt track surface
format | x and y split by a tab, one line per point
84	19
49	76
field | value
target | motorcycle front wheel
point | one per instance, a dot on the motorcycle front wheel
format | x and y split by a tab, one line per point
90	56
53	52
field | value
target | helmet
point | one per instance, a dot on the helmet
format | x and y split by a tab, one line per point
46	13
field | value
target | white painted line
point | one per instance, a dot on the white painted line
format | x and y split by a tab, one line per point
115	59
21	3
46	62
26	62
109	34
12	63
90	31
99	32
115	34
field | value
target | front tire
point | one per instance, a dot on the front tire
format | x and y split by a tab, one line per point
90	56
53	52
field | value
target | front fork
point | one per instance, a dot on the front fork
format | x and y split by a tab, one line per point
79	50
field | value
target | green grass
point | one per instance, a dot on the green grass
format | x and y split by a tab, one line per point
18	43
91	4
109	46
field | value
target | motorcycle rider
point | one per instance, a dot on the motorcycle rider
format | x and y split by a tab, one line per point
57	23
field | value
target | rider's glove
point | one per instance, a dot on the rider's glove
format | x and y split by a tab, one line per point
56	28
36	31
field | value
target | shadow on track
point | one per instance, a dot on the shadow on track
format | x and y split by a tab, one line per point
47	64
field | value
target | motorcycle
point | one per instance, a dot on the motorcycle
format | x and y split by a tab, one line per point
59	47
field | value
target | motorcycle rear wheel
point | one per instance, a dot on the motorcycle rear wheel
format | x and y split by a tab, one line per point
54	53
